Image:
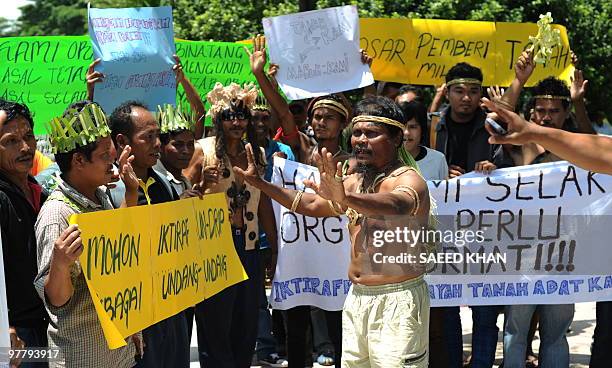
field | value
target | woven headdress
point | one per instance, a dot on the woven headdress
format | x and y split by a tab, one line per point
77	128
545	40
174	118
222	98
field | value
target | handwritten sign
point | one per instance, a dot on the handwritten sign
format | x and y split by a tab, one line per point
144	264
318	52
48	73
421	51
136	47
314	253
547	221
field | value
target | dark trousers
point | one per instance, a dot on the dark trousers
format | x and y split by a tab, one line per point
166	344
484	335
229	318
601	354
298	319
438	347
34	336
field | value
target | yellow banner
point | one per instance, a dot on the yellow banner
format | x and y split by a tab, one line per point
421	51
145	264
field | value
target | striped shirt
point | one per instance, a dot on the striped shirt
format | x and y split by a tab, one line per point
74	328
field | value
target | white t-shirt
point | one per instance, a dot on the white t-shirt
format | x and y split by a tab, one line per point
433	166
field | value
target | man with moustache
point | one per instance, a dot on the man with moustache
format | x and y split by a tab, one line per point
20	200
229	318
385	316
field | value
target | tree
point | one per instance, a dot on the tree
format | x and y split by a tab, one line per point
8	27
587	22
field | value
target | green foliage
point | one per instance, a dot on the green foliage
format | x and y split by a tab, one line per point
587	22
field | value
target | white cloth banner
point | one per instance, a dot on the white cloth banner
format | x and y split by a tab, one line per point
547	226
314	253
317	51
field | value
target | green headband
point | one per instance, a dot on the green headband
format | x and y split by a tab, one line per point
77	129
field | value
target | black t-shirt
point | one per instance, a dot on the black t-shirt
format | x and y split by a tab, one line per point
459	135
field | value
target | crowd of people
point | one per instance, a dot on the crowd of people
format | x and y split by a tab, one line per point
374	156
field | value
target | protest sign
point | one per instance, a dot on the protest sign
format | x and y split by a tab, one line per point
5	341
144	264
421	51
318	52
314	253
541	242
48	73
542	228
136	47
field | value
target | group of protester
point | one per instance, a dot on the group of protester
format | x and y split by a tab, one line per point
374	158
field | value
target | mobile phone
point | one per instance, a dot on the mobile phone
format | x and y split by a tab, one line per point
497	127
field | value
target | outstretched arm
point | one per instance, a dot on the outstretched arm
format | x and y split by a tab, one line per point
591	152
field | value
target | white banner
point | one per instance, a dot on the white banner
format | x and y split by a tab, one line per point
314	253
317	51
545	240
546	237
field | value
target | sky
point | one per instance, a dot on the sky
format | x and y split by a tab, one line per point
10	8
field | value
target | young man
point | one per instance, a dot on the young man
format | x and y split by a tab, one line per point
177	147
20	201
222	343
266	343
386	316
461	136
74	327
551	103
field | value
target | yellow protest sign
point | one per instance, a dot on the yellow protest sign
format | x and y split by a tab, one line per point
388	42
145	264
512	38
421	51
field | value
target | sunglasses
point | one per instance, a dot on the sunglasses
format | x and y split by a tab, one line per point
230	115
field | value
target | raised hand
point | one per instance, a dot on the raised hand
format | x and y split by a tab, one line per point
578	86
524	67
257	58
177	68
92	77
126	171
365	58
251	174
495	92
332	185
210	175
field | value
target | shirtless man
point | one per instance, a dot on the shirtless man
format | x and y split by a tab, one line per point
385	316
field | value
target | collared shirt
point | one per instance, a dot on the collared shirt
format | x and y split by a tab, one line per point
180	184
74	327
154	191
